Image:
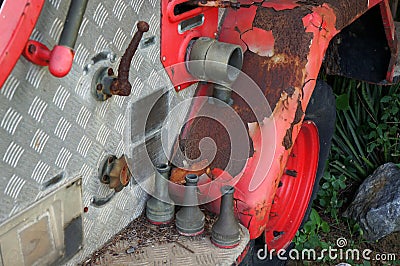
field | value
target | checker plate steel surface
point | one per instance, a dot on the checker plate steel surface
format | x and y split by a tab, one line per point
51	126
144	244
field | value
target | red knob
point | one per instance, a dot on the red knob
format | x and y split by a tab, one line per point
59	60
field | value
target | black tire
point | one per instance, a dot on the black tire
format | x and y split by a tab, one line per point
322	111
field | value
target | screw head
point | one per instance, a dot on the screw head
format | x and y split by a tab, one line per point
99	87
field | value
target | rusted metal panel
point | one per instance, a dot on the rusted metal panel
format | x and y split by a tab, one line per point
206	127
280	71
284	62
345	11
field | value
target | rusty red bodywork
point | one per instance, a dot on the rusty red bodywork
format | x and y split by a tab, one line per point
284	45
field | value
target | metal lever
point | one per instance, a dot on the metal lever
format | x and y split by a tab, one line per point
121	85
107	84
60	59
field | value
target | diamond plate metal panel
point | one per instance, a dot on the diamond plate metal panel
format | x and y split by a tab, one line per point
164	246
50	126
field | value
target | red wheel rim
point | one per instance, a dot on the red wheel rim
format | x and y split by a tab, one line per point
295	189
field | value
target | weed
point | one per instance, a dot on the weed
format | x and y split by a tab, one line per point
367	128
328	195
309	235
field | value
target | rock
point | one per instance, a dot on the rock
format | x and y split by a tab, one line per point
377	203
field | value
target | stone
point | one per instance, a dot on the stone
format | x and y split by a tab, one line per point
376	206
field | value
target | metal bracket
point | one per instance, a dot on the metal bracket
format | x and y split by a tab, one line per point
115	173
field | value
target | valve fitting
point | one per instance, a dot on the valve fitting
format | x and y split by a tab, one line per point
216	62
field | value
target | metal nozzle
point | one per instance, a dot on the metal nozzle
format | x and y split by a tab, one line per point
190	219
159	209
225	232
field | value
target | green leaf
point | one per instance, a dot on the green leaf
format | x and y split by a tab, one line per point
322	202
325	185
366	263
325	227
307	228
386	99
314	241
371	147
372	125
324	245
314	216
342	102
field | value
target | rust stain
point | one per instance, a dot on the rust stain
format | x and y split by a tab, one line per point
261	210
272	75
299	113
346	11
205	127
121	86
289	91
285	69
178	175
287	140
288	28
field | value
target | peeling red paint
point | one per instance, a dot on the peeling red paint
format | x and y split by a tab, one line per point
252	40
281	4
236	23
299	33
322	24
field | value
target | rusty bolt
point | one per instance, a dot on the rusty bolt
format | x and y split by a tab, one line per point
99	87
121	86
110	72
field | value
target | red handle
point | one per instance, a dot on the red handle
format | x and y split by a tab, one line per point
59	60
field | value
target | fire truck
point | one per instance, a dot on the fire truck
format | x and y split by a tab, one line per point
97	96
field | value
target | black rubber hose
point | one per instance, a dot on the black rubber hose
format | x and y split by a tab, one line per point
72	23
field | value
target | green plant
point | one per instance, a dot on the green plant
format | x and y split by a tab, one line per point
310	235
367	129
329	194
385	134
